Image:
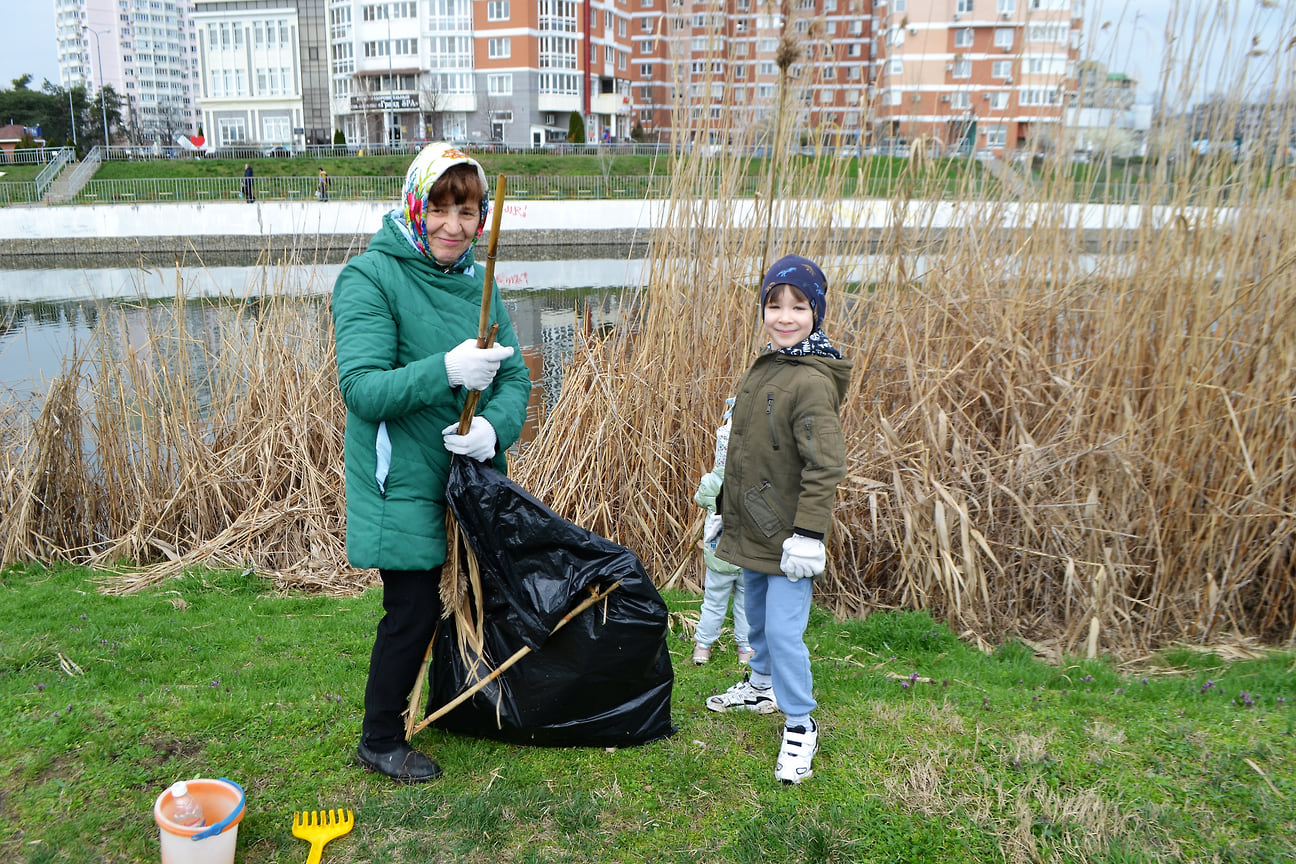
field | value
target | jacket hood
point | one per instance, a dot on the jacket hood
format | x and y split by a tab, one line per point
837	369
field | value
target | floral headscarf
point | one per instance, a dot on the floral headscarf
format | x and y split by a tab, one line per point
427	167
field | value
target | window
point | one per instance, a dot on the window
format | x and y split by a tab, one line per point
1001	69
963	37
645	70
963	6
961	100
998	101
895	66
499	48
645	46
962	68
1054	32
1037	96
499	84
895	36
891	97
996	136
231	130
497	10
1003	37
899	6
1006	7
276	129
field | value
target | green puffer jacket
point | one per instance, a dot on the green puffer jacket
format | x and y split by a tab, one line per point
395	316
786	456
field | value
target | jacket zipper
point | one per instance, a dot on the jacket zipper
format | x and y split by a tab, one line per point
769	418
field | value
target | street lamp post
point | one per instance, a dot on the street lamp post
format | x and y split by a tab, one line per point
72	118
103	106
391	96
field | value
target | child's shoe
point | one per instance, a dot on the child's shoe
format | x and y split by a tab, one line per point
745	653
701	654
744	697
799	747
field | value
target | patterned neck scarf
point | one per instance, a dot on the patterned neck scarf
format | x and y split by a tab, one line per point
427	167
816	343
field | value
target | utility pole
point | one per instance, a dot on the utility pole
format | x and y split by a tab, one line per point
103	105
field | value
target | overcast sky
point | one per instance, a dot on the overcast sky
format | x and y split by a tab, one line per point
1134	40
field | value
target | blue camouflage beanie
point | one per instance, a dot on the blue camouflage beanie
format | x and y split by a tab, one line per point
803	274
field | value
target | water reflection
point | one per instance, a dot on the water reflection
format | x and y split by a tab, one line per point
48	317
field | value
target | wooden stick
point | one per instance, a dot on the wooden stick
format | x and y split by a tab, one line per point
486	332
503	667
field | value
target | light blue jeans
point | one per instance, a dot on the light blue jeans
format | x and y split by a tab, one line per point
715	602
778	610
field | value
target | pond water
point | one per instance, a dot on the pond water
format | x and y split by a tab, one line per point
49	316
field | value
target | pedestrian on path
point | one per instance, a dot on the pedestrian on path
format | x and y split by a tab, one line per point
248	193
321	191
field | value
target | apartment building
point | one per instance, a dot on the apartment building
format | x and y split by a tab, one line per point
263	72
144	49
978	74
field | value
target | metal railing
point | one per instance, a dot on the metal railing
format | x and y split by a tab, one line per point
51	171
527	187
30	156
521	187
250	152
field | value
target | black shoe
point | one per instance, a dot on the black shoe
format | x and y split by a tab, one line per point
404	764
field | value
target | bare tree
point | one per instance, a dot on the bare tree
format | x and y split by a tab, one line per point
432	104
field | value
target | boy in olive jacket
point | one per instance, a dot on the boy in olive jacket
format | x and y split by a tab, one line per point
786	456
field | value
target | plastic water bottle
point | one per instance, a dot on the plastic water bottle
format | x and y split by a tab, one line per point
188	812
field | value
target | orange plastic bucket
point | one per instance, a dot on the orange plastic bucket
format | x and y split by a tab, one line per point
223	805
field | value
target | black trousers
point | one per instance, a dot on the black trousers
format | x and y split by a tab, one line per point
411	611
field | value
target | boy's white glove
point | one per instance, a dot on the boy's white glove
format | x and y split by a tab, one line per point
477	443
711	529
708	489
472	367
803	557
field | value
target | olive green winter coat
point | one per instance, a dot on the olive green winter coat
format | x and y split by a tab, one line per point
395	315
786	457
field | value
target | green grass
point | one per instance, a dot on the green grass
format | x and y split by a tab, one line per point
978	757
376	166
23	173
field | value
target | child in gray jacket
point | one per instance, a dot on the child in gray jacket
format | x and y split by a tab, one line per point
722	578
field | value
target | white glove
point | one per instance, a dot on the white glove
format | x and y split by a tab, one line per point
473	367
803	557
711	529
478	443
708	488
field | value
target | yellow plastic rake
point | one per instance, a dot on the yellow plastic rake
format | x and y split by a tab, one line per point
319	827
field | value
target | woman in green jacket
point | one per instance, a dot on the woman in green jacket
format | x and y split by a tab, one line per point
405	318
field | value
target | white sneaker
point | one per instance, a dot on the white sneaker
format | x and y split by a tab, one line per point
701	654
744	697
799	748
745	653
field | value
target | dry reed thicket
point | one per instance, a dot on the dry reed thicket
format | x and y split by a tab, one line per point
1078	427
1084	435
187	434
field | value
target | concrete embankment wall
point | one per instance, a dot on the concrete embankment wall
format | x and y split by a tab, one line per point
39	236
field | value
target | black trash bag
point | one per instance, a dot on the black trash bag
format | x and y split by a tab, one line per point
604	679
